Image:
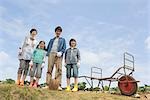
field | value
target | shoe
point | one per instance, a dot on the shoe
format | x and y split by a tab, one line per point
75	89
68	88
35	85
18	82
59	88
22	83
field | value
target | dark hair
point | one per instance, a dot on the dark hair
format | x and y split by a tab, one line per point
58	28
40	43
33	29
71	41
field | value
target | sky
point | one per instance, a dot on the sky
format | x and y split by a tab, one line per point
104	30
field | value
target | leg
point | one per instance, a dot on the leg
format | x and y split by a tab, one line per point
31	82
32	73
36	83
76	81
20	70
68	75
25	71
68	84
68	81
58	72
38	74
37	80
51	60
75	75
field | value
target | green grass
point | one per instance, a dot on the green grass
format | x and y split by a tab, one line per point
13	92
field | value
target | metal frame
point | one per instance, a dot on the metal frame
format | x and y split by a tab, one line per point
128	58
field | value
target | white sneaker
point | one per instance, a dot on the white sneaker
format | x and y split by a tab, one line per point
59	88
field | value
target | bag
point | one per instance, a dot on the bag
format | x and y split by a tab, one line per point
54	84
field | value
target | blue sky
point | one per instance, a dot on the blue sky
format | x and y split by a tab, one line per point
104	30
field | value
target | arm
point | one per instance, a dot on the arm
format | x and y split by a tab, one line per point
44	59
65	64
47	49
31	62
78	56
33	54
60	53
66	55
23	44
64	46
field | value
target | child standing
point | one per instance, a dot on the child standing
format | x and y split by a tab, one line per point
25	54
72	61
37	63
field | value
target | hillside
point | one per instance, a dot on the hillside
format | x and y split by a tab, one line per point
13	92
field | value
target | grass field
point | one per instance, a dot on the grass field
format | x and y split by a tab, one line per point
13	92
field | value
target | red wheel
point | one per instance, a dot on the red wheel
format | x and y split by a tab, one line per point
127	85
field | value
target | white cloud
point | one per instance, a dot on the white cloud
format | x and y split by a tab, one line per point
95	58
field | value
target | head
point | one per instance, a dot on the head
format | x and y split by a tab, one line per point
41	45
72	43
58	31
33	33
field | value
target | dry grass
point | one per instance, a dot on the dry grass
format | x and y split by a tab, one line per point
13	92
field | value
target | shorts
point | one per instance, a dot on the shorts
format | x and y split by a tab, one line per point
23	67
71	70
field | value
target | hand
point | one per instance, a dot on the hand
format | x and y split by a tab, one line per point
65	65
59	54
43	64
47	54
78	64
31	63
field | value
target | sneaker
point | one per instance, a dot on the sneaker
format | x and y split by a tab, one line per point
59	88
18	82
75	89
68	88
22	83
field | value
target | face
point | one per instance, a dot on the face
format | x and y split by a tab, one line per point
42	45
58	33
33	34
73	43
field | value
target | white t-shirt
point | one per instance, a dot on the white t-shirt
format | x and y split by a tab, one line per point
55	45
